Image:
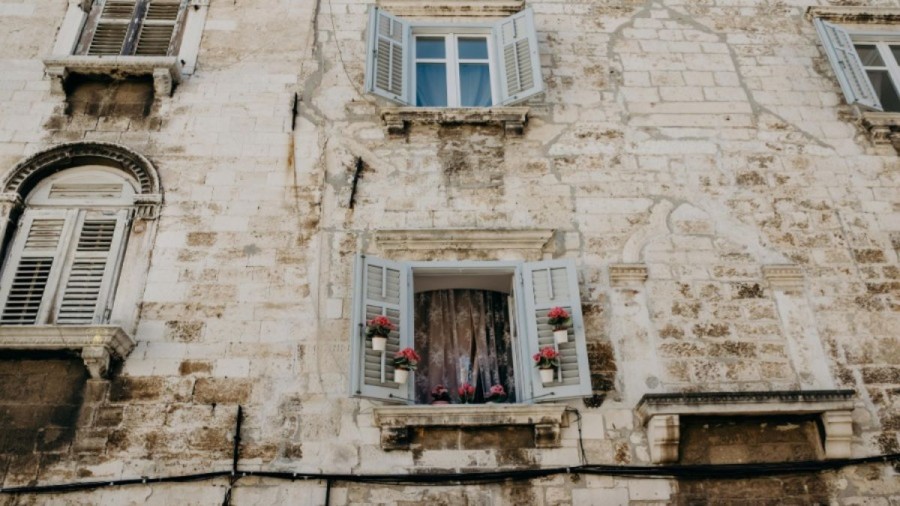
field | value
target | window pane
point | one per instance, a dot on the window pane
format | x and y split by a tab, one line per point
430	47
869	55
885	90
896	52
431	85
475	84
473	48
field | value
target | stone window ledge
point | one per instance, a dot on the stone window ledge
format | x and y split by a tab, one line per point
396	421
398	119
855	14
463	239
98	344
165	70
455	8
661	414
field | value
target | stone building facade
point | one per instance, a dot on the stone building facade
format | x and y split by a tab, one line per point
713	182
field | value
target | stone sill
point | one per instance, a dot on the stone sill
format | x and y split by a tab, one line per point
395	421
165	70
398	119
454	8
98	344
463	239
857	15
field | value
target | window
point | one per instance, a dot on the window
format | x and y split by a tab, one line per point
475	322
63	262
132	27
430	65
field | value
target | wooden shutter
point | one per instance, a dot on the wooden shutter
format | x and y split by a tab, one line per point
92	268
847	66
29	276
159	27
382	288
518	62
549	284
115	22
387	63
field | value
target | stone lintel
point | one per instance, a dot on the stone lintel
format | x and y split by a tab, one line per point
627	274
398	119
855	15
451	8
783	277
463	239
98	344
395	421
165	70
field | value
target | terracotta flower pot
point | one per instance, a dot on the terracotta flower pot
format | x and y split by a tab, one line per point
561	335
379	343
547	375
401	375
440	402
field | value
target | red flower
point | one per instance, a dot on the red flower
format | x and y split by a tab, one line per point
466	390
498	390
557	312
558	318
547	358
382	321
407	359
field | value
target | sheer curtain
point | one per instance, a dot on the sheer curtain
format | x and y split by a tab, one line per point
462	336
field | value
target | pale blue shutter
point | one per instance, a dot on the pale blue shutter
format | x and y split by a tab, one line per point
847	66
381	288
388	56
515	43
548	284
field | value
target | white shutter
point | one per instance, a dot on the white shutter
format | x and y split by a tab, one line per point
517	58
31	272
549	284
159	27
381	288
388	56
92	268
847	66
112	27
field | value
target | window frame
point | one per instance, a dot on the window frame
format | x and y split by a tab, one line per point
452	60
882	42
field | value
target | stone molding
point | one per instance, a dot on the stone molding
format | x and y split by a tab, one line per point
856	15
883	127
627	274
452	8
661	414
463	239
165	70
783	277
98	344
398	119
396	421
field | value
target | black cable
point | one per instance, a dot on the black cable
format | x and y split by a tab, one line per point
583	455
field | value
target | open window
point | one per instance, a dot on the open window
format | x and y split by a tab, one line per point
471	322
865	65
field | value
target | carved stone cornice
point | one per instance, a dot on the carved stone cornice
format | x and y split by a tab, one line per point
97	344
783	277
454	8
627	274
855	15
463	239
398	119
147	207
883	127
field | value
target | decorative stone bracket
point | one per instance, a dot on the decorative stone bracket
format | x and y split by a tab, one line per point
662	415
627	274
883	127
396	421
98	344
165	70
783	277
398	119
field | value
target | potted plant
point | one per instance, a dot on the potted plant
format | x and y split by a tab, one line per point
378	330
497	394
440	395
405	360
546	360
559	318
466	393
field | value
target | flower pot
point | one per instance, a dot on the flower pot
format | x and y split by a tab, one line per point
379	343
439	402
561	335
547	375
401	375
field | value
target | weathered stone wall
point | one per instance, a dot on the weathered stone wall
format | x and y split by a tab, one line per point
703	140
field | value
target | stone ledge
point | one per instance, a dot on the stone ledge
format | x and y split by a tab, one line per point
452	8
98	344
165	70
395	421
661	414
398	119
858	15
463	239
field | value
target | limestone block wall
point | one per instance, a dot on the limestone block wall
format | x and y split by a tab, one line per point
702	141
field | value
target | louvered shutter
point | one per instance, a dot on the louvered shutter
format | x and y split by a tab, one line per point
382	288
847	66
518	62
114	27
31	272
387	63
89	277
157	32
549	284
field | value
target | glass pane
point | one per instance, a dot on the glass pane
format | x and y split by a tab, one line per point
474	85
869	55
473	48
430	47
885	90
431	85
896	52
